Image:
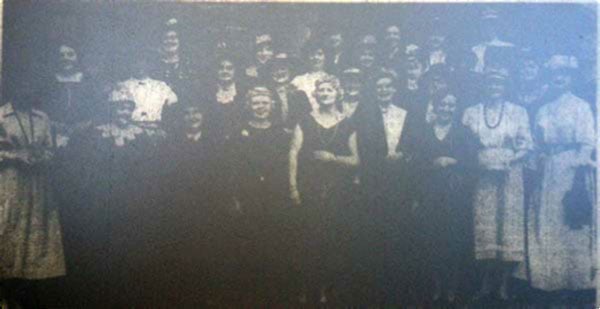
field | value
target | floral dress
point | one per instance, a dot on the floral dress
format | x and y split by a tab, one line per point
498	200
30	234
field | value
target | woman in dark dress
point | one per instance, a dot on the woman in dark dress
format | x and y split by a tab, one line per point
103	175
258	151
323	156
443	159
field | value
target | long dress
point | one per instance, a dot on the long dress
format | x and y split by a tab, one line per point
30	232
560	257
259	182
101	177
498	199
445	212
324	188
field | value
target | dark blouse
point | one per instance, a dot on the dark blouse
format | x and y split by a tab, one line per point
258	166
321	179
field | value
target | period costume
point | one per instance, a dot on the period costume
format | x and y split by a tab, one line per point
562	252
498	199
30	233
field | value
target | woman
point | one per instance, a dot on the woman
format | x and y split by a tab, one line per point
31	246
353	87
323	156
384	141
443	159
104	172
291	104
263	53
561	240
315	55
502	132
259	155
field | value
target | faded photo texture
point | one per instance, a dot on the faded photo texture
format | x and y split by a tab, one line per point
169	155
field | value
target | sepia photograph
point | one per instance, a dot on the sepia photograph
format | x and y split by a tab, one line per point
187	154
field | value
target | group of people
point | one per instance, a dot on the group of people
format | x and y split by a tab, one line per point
368	172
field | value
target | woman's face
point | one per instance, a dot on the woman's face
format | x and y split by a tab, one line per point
192	117
68	57
438	83
171	41
281	74
264	53
317	59
529	71
261	106
352	86
385	89
367	58
561	80
326	94
445	108
335	41
414	69
495	88
392	36
226	71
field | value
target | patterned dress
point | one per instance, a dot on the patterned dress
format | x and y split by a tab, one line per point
560	257
498	201
30	233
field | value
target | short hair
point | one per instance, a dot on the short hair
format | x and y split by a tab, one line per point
386	73
258	90
335	83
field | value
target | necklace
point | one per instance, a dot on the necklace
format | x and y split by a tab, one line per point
28	141
485	117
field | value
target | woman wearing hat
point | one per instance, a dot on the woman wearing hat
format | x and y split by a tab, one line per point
501	129
263	53
323	158
259	155
561	241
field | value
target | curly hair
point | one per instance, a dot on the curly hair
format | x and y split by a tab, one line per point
335	83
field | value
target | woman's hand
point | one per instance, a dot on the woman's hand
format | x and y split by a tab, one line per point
394	156
496	158
324	156
295	197
444	162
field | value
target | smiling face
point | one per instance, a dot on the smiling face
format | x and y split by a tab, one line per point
264	53
335	41
280	74
392	37
225	71
495	88
352	86
170	41
261	106
560	80
385	89
367	58
317	59
529	70
445	108
436	41
326	94
68	57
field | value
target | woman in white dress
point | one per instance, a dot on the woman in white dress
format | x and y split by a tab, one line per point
502	129
316	60
560	228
